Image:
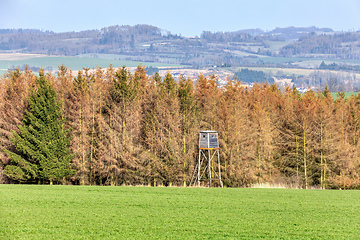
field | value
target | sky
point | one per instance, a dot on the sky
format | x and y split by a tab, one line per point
186	17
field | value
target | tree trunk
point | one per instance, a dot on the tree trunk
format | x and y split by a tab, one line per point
305	167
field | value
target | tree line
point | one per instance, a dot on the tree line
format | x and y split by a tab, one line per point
117	127
339	67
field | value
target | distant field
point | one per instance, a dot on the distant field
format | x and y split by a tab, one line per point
302	62
276	45
75	63
94	212
287	71
347	94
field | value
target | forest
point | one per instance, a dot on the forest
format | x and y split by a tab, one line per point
117	127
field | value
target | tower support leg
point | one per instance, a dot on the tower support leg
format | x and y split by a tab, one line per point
221	183
211	174
209	162
199	165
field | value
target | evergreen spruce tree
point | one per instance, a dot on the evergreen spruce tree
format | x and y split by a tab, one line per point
43	144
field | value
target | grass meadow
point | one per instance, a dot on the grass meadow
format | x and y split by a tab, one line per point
97	212
74	63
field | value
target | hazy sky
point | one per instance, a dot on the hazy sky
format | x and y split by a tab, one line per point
186	17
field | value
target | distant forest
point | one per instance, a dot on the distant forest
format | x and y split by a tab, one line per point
115	127
343	46
151	44
249	76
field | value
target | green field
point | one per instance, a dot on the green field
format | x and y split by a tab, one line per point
73	63
95	212
347	94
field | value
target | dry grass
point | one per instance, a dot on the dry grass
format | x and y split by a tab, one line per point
269	185
285	185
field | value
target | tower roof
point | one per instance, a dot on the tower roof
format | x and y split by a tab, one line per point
208	131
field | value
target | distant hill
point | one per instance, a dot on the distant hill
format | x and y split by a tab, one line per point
337	45
294	33
278	34
146	43
106	40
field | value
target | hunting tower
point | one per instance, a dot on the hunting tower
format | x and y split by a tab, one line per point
207	170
